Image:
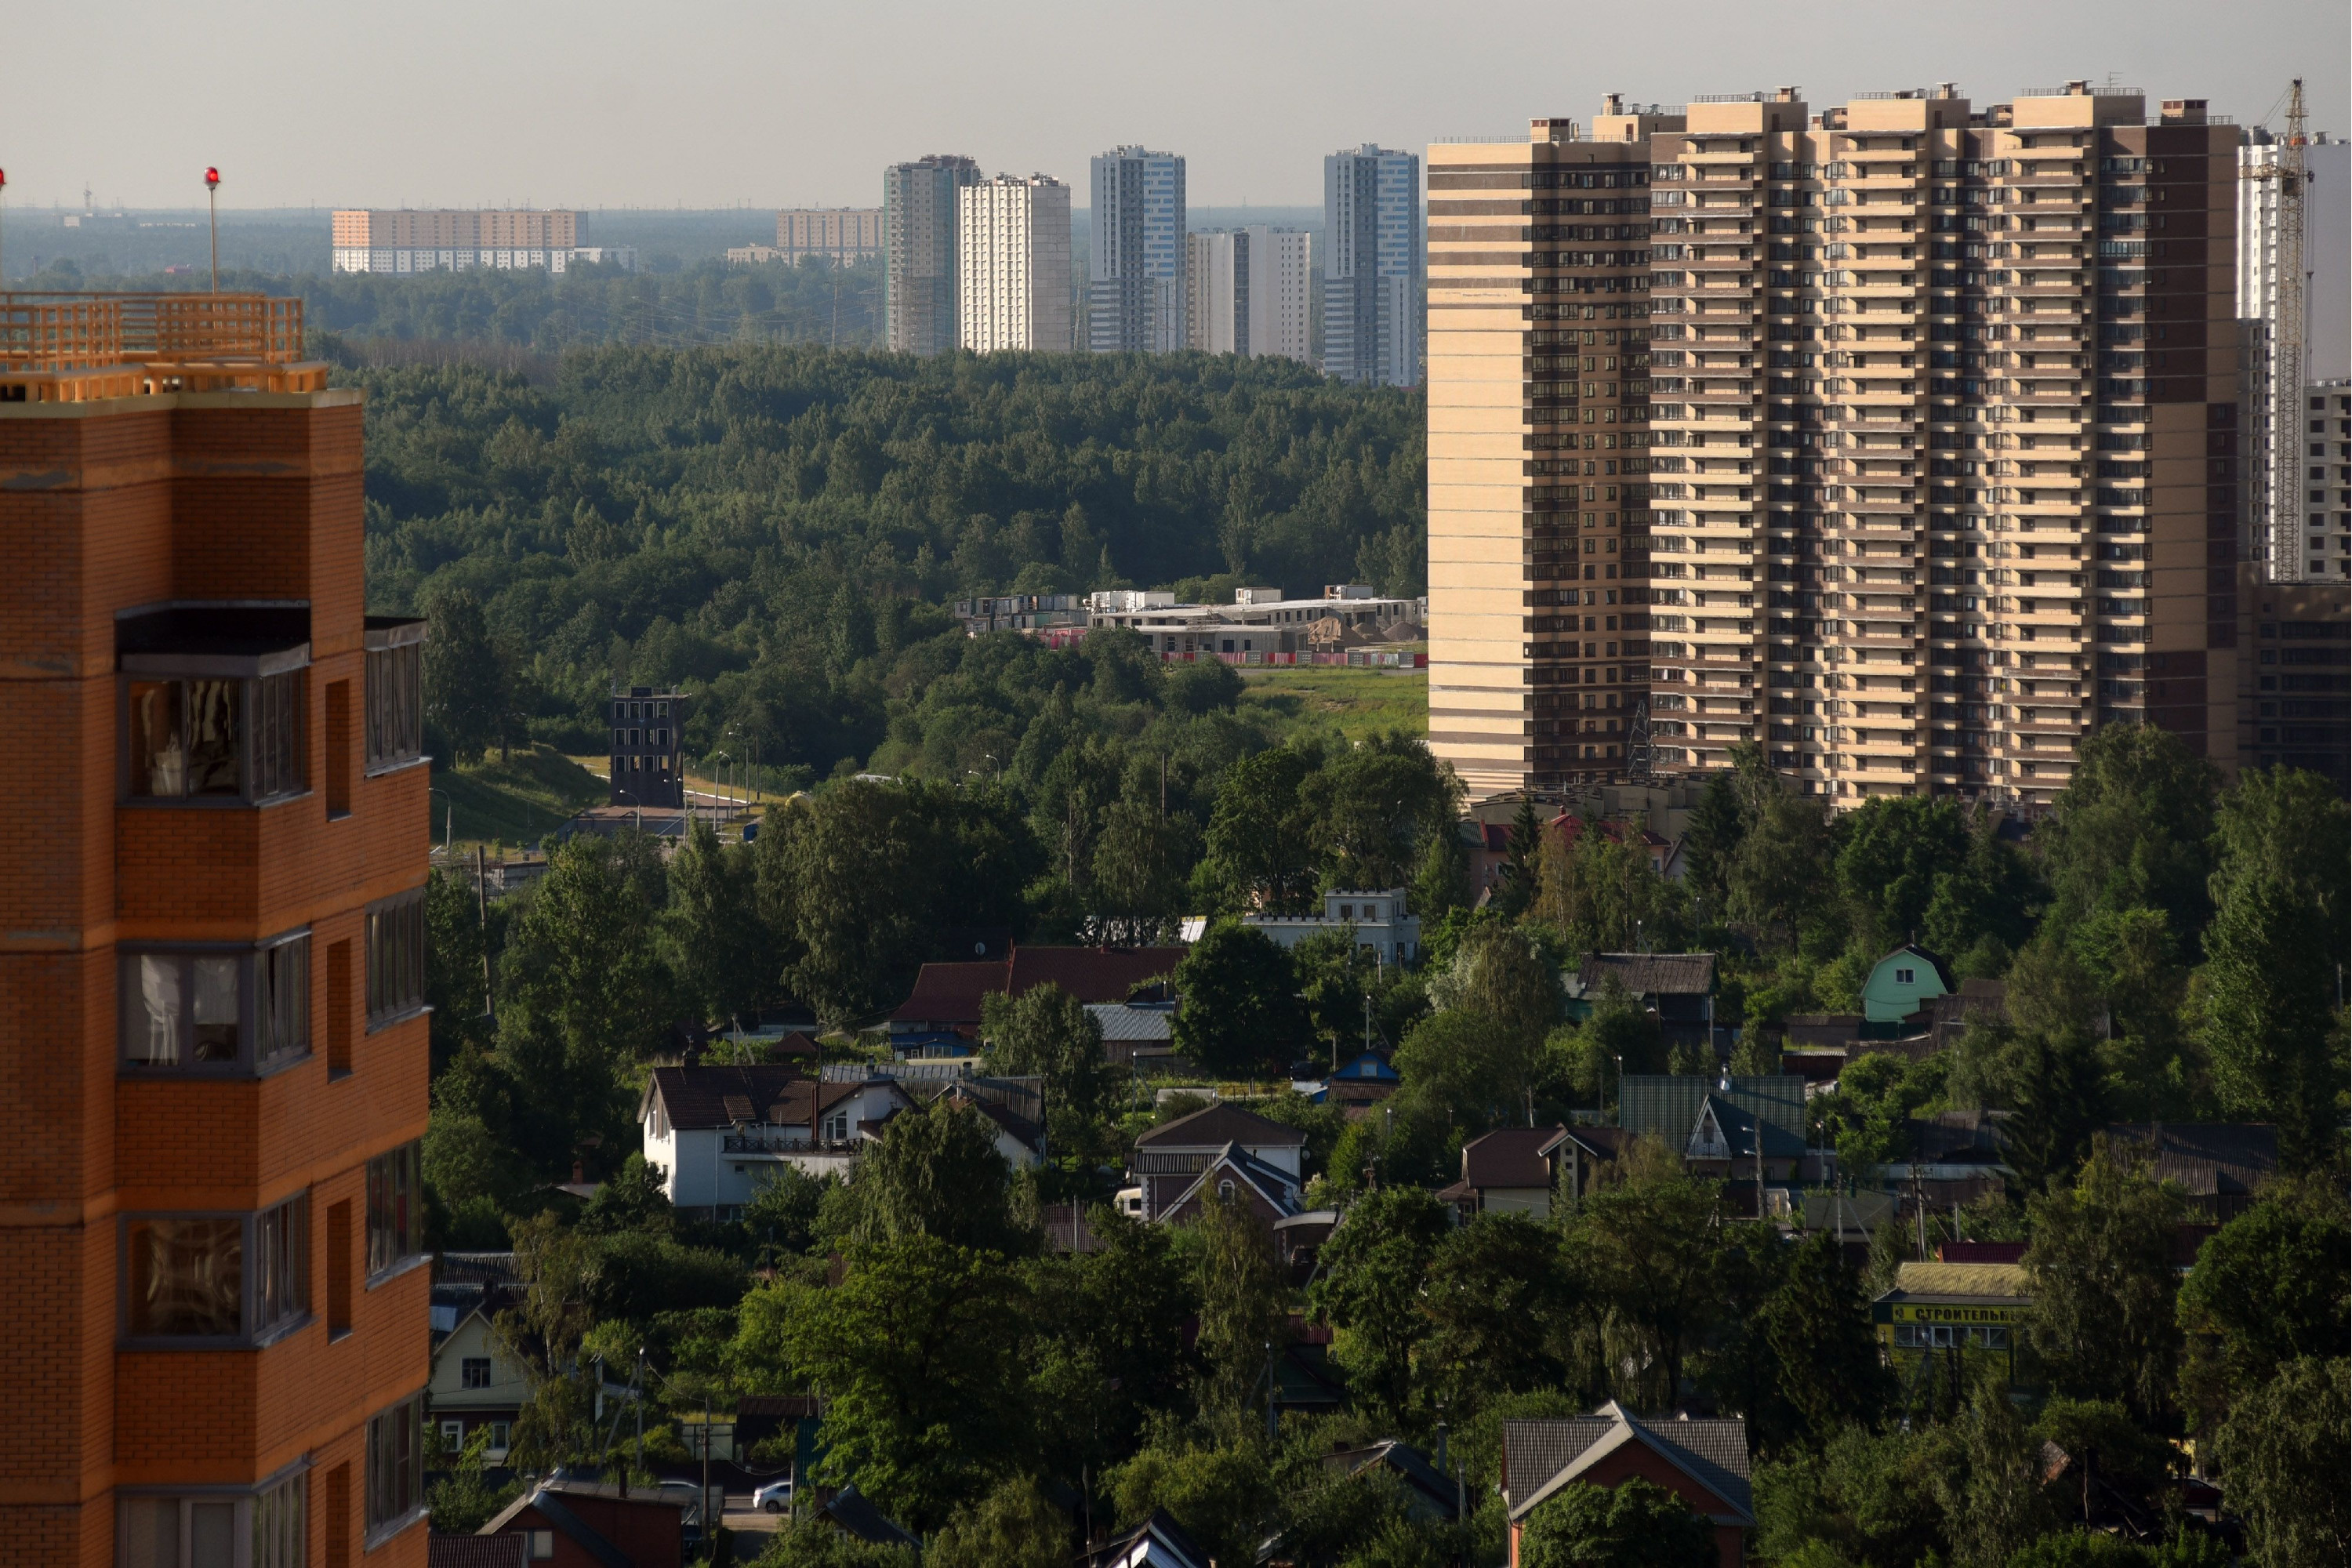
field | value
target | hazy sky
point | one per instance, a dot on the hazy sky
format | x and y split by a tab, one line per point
589	102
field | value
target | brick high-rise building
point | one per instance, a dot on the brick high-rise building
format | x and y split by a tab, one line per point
211	954
1941	442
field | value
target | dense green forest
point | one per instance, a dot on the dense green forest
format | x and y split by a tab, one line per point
777	529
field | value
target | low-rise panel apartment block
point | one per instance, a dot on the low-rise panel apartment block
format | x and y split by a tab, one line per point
451	240
1937	414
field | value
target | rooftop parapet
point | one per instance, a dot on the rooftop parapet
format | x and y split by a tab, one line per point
75	348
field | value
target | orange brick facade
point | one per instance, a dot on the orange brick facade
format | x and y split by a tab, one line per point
106	506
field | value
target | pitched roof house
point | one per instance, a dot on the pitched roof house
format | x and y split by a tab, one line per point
1678	988
1721	1127
1272	1193
1157	1543
1508	1170
1252	1152
1429	1494
474	1385
1359	1085
718	1134
1703	1461
946	1000
1020	1139
852	1512
584	1525
2218	1164
1904	982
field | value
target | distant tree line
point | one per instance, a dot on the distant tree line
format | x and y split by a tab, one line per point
777	529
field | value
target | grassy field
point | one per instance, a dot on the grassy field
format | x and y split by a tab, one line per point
1354	702
516	801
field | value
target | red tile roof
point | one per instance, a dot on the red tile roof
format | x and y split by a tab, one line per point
951	993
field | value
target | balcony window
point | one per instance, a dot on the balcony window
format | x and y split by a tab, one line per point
396	1214
214	701
395	1468
216	1277
213	739
396	691
204	1531
395	958
183	738
218	1011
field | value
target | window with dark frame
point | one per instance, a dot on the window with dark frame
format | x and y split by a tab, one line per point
395	1464
395	957
474	1372
216	737
219	1009
196	1532
217	1276
395	704
395	1213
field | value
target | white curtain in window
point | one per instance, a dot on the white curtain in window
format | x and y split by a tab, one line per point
160	979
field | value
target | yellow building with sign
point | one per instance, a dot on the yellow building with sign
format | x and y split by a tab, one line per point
1973	1312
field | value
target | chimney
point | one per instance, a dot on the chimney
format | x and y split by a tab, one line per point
1785	94
1947	90
579	1174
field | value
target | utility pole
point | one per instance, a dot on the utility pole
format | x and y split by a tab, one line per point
482	917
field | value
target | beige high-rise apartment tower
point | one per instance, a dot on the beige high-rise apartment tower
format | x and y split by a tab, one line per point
1538	442
1941	450
1014	272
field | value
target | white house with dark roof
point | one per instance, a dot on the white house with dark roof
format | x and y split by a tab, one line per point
1378	917
1705	1462
718	1134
